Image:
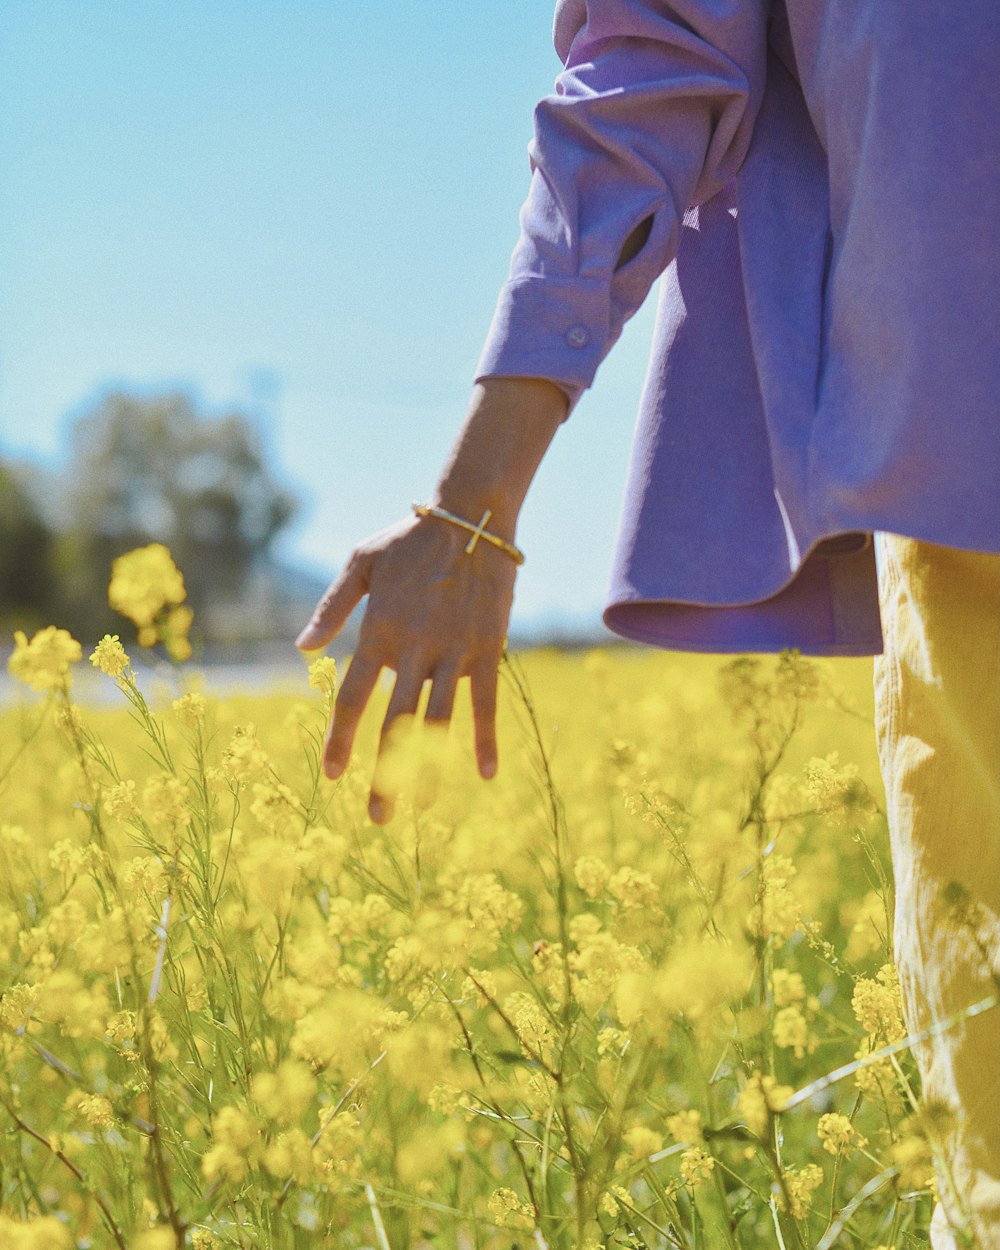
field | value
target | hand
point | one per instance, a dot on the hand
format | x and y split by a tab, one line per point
434	614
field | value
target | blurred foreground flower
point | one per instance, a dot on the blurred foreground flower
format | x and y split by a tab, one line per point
35	1233
148	588
43	663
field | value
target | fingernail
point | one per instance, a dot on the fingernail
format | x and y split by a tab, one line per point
333	769
307	636
488	770
376	810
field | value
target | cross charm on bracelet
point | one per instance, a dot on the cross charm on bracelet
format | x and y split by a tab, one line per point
477	533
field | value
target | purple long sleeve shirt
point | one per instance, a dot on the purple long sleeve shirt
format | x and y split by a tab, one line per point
820	183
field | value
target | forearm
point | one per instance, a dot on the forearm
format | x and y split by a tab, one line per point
510	424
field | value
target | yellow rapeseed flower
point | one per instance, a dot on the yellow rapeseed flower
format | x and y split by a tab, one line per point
480	986
321	853
121	1026
110	656
836	788
878	1006
633	889
877	1079
244	758
641	1142
612	1198
791	1031
17	1003
290	1156
788	988
44	662
776	912
270	873
143	582
339	1150
761	1097
685	1126
66	1000
837	1133
165	802
592	875
120	800
146	876
611	1041
286	1094
598	964
44	1233
96	1110
508	1210
489	908
323	674
237	1145
696	977
696	1166
530	1022
801	1184
919	1135
191	708
174	632
68	858
408	959
65	922
913	1156
275	806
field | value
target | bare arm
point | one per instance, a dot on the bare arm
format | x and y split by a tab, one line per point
435	613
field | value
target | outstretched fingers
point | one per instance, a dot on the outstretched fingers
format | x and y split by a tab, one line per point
356	691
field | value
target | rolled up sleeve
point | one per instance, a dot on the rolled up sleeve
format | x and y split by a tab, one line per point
651	114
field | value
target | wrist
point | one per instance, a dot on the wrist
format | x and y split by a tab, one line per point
470	501
510	423
540	394
475	533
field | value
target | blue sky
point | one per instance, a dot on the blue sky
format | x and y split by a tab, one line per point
304	208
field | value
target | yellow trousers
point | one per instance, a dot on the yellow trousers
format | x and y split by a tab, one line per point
937	691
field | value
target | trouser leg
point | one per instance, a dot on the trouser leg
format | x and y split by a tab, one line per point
938	726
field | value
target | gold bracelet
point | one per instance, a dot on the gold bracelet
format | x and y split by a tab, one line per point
477	531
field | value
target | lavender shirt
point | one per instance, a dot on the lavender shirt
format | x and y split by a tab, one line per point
821	182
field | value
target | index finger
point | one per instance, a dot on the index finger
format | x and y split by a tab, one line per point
341	598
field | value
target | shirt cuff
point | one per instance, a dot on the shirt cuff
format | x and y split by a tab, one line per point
548	328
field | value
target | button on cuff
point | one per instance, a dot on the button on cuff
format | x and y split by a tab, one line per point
548	328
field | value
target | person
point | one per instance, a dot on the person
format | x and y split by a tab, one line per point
816	183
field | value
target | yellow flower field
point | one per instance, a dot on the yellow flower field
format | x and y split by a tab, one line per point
635	992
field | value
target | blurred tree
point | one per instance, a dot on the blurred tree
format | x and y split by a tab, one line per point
152	469
26	555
